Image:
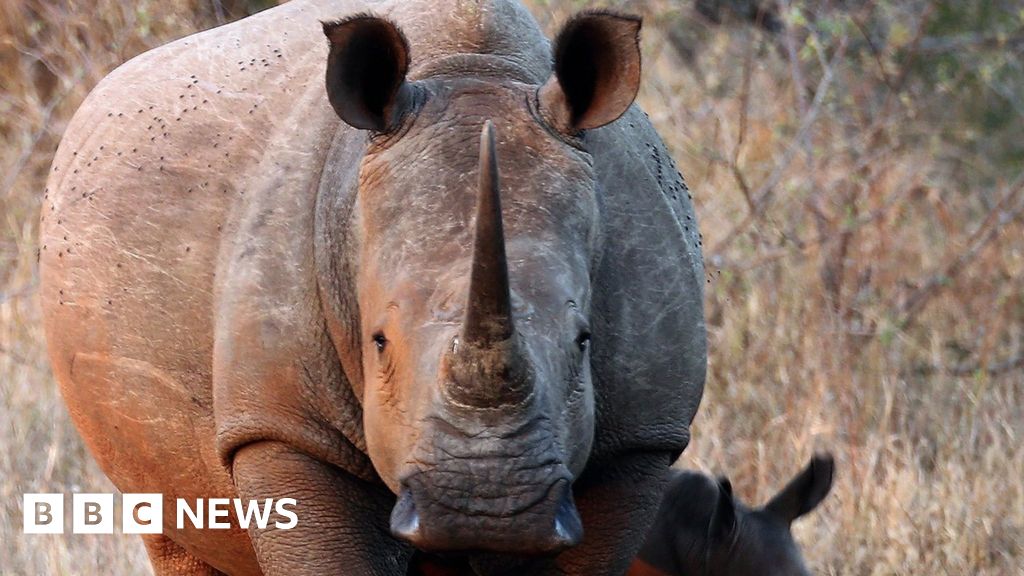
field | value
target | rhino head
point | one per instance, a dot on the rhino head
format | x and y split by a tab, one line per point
701	528
476	228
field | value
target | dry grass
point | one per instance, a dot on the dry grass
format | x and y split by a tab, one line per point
866	286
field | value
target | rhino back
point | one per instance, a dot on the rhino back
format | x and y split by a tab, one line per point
154	172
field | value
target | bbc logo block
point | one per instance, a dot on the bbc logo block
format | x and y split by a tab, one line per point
142	513
43	514
92	513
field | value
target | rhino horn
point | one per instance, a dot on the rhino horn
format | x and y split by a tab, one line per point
485	371
489	309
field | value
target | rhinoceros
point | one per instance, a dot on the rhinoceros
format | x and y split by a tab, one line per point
701	529
435	278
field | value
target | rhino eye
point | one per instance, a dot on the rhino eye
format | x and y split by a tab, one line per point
583	341
380	341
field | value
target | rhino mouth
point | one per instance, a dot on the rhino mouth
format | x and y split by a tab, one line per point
539	523
488	488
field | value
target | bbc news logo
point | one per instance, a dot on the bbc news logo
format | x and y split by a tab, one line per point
144	513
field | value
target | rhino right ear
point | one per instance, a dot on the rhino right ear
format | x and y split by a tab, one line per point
366	71
596	71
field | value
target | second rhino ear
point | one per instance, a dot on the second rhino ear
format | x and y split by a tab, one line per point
804	492
366	71
723	521
596	71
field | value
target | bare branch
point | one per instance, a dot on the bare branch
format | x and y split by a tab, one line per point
764	193
1009	208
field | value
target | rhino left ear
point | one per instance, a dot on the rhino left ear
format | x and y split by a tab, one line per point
366	71
596	71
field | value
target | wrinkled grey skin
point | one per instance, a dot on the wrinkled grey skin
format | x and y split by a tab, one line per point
702	530
424	330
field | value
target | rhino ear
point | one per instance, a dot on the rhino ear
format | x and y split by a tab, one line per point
596	71
366	71
723	521
804	492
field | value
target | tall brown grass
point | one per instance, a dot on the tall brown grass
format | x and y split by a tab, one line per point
864	295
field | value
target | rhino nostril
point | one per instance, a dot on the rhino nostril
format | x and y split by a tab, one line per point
405	520
563	533
568	526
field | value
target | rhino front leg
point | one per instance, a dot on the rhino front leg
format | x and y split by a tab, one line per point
617	504
342	523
